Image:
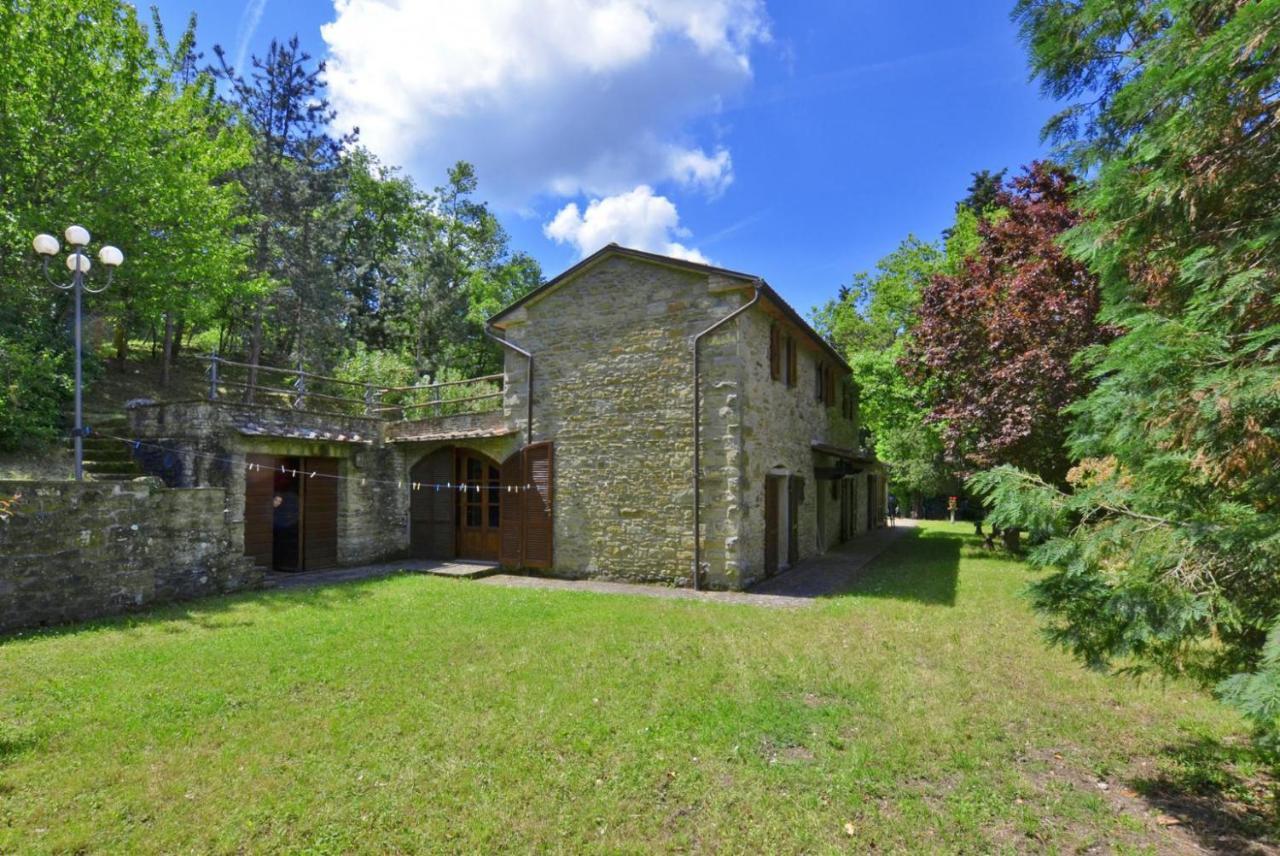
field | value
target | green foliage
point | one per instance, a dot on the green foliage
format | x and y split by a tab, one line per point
103	128
871	323
1164	553
35	386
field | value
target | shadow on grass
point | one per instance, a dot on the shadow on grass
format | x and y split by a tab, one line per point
918	565
212	612
1221	793
923	566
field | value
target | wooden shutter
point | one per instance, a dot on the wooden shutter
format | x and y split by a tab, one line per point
770	525
511	527
431	526
259	488
792	368
775	352
319	512
537	516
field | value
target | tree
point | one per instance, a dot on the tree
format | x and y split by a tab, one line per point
1164	548
96	130
996	340
871	323
292	187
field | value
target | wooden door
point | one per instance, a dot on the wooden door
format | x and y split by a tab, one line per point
479	511
770	525
795	496
319	489
539	523
259	485
431	522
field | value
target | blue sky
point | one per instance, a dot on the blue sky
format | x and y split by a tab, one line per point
799	141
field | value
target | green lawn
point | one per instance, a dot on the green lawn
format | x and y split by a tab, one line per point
921	712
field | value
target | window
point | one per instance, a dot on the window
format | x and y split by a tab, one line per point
775	352
819	380
849	400
791	361
829	388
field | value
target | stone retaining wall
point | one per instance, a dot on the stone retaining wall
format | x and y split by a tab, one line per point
74	551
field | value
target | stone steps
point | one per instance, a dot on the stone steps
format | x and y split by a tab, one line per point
106	458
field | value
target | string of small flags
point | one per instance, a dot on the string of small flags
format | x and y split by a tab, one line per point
250	466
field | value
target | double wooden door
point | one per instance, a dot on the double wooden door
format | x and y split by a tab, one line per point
291	512
490	511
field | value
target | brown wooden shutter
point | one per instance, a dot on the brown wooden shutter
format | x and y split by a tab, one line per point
319	512
538	518
259	488
511	526
431	525
791	361
775	352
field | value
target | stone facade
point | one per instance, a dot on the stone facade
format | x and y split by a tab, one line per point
613	390
78	550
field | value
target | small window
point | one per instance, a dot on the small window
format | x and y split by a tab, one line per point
775	352
791	361
829	387
819	379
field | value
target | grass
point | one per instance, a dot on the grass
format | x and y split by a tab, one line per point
919	712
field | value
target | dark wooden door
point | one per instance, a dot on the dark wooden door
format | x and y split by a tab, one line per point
479	510
259	485
871	501
539	523
431	523
770	525
318	479
795	496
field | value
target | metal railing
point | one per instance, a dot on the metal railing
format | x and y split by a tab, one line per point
297	389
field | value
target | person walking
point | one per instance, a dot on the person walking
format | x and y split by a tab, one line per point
893	509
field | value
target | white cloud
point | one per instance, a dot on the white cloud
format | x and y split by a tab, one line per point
637	219
544	96
250	17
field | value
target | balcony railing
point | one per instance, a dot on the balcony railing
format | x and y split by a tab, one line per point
296	389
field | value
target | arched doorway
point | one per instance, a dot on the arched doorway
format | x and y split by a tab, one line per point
462	520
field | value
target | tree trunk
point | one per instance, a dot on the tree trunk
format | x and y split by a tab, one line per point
255	352
167	361
120	340
179	328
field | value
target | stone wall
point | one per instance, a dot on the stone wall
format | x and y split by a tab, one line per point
779	425
74	551
613	390
212	441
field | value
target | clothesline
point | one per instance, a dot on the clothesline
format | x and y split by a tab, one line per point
295	472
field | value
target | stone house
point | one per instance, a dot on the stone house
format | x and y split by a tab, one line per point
601	457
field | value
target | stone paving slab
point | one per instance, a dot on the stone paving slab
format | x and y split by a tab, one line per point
456	569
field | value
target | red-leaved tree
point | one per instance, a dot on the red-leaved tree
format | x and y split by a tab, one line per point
995	342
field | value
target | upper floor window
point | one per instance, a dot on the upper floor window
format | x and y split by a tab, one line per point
848	400
825	384
792	373
775	352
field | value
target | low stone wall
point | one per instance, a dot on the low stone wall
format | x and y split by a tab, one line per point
73	551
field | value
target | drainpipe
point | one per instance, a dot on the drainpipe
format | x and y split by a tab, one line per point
528	388
697	433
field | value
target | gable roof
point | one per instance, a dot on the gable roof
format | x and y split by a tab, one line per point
618	251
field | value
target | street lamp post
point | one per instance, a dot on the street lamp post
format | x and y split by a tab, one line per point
78	263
